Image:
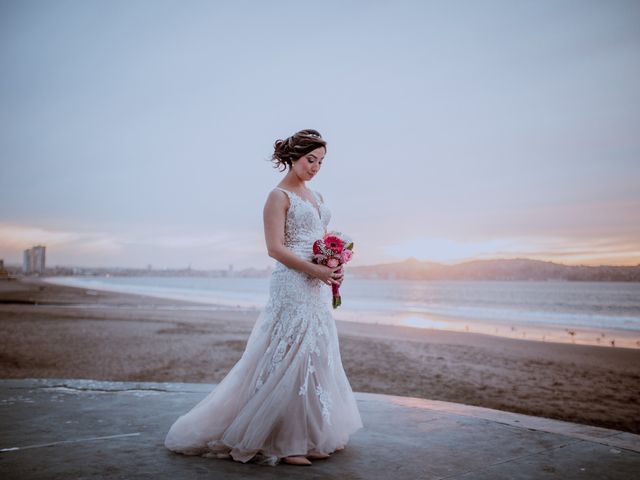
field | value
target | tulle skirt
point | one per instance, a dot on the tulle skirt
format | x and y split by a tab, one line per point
287	395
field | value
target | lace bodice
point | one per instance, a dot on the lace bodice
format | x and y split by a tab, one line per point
304	224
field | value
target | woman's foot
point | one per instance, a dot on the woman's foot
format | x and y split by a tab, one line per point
318	456
296	460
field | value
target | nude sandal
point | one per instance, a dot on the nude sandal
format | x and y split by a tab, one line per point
296	460
318	456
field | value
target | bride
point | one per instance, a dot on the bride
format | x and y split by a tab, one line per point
288	398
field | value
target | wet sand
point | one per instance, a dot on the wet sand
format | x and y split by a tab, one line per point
604	337
51	331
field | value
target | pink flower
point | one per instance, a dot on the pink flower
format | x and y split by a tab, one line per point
332	251
334	243
333	262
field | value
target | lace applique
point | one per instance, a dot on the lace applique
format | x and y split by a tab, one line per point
322	394
310	370
325	401
299	327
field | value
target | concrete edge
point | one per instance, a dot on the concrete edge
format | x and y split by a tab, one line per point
108	386
604	436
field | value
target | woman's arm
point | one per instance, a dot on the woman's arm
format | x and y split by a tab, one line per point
274	215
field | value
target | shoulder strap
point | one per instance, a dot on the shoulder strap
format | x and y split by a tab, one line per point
317	195
285	191
288	193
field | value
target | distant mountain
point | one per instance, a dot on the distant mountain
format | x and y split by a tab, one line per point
501	269
410	269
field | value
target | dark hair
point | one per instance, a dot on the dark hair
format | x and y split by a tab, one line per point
287	151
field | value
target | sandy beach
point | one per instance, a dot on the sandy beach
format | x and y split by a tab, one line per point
51	331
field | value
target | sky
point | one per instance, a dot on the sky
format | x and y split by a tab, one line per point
137	133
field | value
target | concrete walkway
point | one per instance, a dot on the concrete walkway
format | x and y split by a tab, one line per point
67	429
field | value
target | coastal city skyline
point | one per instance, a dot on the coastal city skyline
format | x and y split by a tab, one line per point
516	269
140	133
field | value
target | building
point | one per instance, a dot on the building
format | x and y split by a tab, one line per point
34	260
4	275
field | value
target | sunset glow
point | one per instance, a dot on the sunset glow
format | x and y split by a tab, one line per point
457	134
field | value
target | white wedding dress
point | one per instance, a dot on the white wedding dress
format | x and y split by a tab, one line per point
288	394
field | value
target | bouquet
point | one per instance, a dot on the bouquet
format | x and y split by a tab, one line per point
333	250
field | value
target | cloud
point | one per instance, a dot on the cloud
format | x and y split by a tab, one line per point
567	249
131	248
441	249
17	237
184	241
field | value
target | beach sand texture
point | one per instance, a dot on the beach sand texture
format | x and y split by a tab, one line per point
51	331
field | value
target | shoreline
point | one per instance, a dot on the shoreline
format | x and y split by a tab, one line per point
51	331
549	333
598	337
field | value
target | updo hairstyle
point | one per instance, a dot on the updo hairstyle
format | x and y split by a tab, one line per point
287	151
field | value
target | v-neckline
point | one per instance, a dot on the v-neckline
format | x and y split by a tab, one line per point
317	209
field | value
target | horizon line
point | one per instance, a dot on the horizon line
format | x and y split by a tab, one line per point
408	259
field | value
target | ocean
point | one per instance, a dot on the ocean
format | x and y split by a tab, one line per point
431	304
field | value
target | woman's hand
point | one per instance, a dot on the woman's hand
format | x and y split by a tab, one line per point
328	275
